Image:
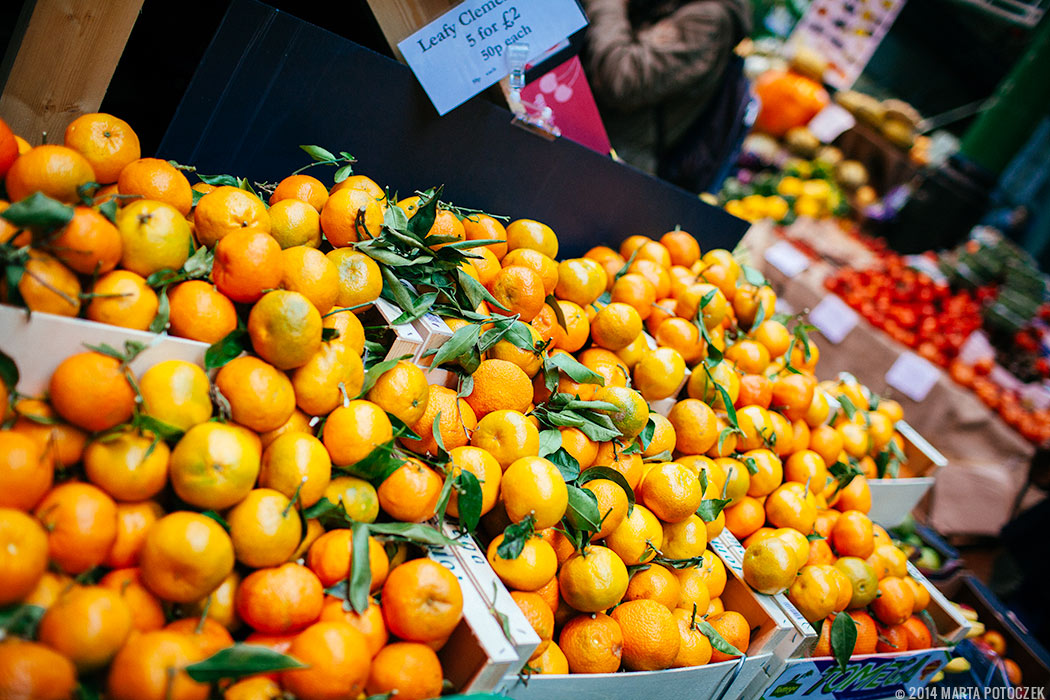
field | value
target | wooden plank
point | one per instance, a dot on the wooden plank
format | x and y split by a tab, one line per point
65	63
399	18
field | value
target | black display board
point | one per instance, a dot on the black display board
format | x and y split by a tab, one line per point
270	82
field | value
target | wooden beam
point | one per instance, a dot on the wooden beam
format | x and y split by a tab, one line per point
64	64
399	18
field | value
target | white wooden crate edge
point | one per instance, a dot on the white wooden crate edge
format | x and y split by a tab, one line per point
893	499
724	680
495	595
39	342
475	675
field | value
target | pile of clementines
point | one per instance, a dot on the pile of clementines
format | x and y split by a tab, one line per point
150	521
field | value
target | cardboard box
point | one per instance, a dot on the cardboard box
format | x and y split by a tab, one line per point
893	499
38	343
774	640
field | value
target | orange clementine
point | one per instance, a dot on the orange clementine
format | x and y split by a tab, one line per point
852	535
107	142
422	601
264	527
360	280
332	555
156	179
129	466
695	425
89	244
410	494
457	420
47	285
147	613
198	311
531	570
336	659
154	236
499	385
533	235
592	643
280	599
519	290
33	670
351	215
409	670
919	636
305	188
56	171
895	601
81	521
650	635
354	430
23	555
133	520
369	623
185	556
25	469
247	263
87	625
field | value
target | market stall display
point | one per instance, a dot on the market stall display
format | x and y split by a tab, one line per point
334	447
447	414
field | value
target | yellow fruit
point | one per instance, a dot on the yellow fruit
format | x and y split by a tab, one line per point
769	566
534	486
593	580
176	393
530	570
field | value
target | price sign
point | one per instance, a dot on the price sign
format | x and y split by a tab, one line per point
833	318
913	376
465	50
786	258
831	122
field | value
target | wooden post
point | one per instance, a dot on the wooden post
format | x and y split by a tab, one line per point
64	64
399	18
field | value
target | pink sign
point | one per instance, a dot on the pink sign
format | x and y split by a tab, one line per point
566	91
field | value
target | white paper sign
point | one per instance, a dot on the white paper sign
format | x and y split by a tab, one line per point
831	122
913	376
786	258
833	318
465	50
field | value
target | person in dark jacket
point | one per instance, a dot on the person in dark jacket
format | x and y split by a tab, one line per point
655	64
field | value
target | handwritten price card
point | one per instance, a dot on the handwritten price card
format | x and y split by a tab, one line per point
465	50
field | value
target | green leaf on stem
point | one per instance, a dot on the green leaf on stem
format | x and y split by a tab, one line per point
360	570
843	638
241	660
222	351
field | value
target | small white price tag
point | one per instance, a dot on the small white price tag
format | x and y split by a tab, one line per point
831	122
913	376
465	50
786	258
833	318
